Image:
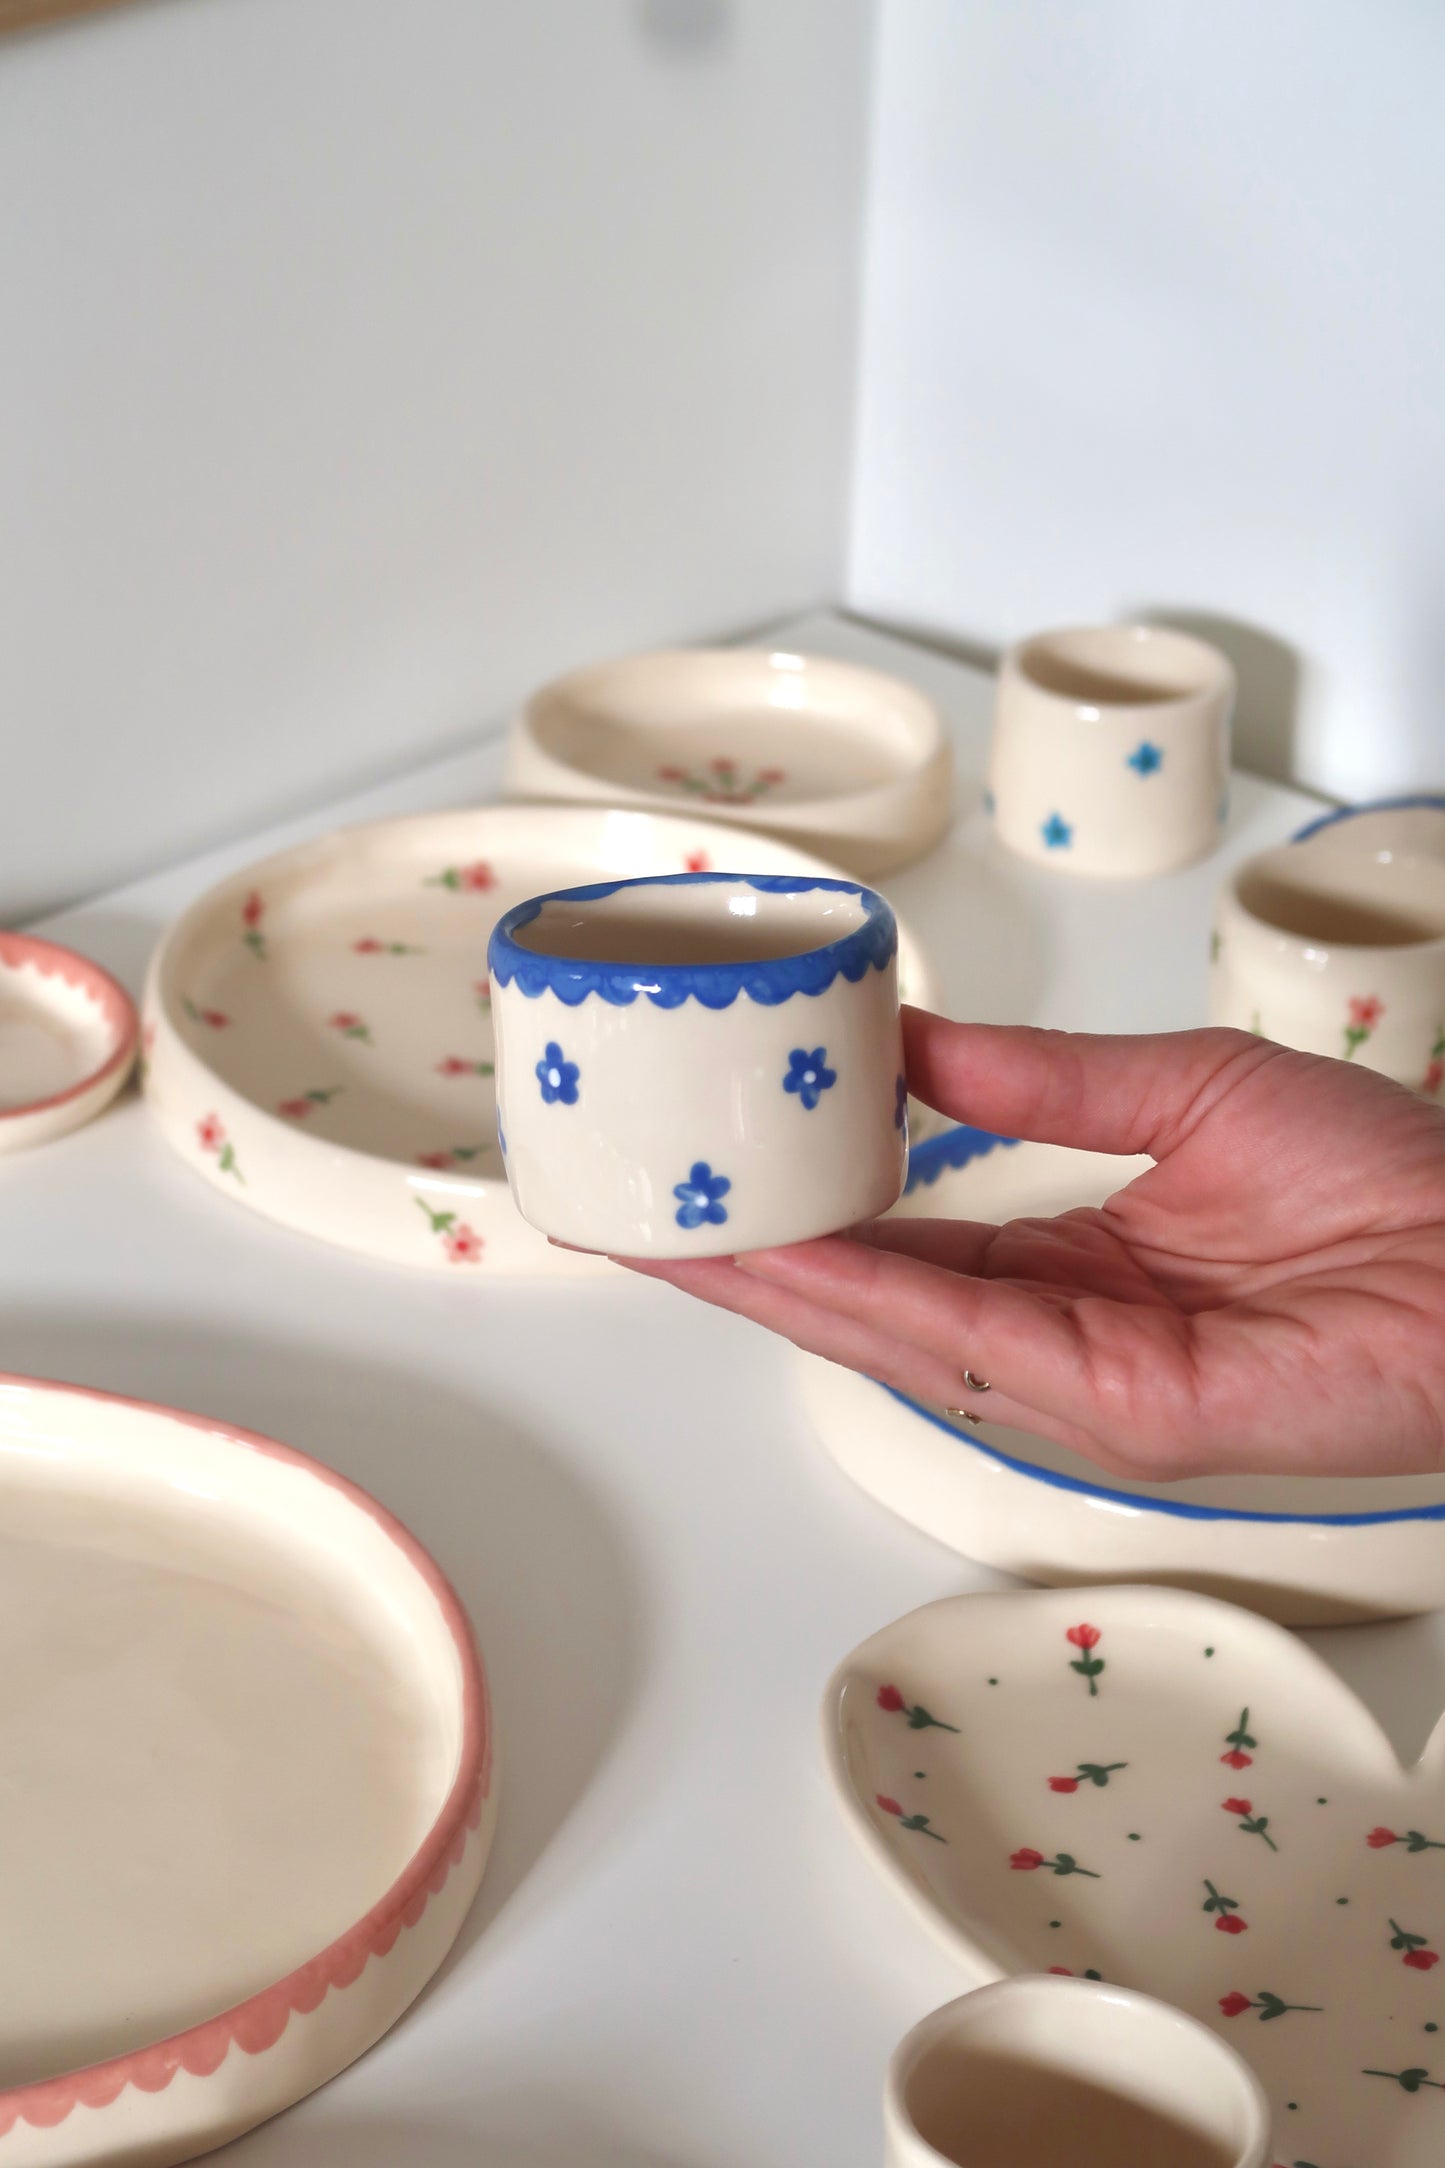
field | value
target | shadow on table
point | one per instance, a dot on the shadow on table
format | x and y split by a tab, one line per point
383	2143
532	1550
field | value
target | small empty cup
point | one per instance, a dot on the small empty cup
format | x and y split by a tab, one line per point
1337	953
699	1063
1111	749
1062	2073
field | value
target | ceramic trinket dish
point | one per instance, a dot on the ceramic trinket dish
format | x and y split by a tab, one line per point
1303	1549
699	1063
1110	750
1337	951
247	1777
1037	2071
67	1040
319	1027
1171	1795
834	758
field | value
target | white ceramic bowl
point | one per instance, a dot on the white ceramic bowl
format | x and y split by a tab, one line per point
1110	749
67	1040
835	758
1307	1550
1337	951
699	1063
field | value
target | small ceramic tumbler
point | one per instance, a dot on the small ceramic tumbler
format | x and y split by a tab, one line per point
1035	2072
1111	749
699	1063
1337	954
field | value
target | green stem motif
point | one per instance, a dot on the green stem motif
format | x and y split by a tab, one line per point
1271	2006
1409	2081
1216	1903
441	1222
919	1822
1099	1772
227	1164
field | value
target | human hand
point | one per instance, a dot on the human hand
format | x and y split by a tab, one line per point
1270	1296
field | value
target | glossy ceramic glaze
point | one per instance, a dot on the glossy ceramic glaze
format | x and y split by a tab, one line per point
67	1040
1308	1550
1337	952
1044	2072
319	1027
1172	1795
247	1787
835	758
1110	749
1414	825
700	1063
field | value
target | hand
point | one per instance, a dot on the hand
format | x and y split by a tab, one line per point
1270	1296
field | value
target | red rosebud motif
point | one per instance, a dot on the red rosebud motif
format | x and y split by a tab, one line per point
453	1065
1235	1759
478	877
672	773
295	1110
482	988
1063	1784
890	1699
437	1160
1422	1960
252	909
1063	1971
344	1020
772	775
1230	1923
1234	2004
216	1018
889	1806
367	946
1366	1011
1236	1806
211	1133
1084	1637
463	1245
1379	1838
1025	1860
697	862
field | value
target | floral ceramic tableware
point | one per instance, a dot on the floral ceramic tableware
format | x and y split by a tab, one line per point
1110	749
836	758
1034	2071
1337	952
1305	1549
700	1063
248	1789
67	1040
1175	1796
319	1027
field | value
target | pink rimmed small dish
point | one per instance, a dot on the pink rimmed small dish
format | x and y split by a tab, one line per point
67	1040
246	1788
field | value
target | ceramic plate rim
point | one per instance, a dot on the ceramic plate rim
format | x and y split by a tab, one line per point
43	2102
53	960
1337	816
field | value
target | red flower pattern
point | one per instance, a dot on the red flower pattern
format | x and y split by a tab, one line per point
463	1245
1025	1860
367	946
1236	1759
1421	1960
211	1133
478	877
1234	2004
889	1806
437	1160
1084	1637
1434	1076
697	862
1230	1923
295	1110
453	1065
1379	1838
1366	1011
672	773
1237	1806
1063	1784
889	1698
344	1020
253	909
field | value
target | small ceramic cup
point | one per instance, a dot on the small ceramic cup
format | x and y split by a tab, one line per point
1337	954
699	1063
1111	749
1033	2071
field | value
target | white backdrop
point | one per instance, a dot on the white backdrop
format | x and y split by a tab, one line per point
363	360
1155	323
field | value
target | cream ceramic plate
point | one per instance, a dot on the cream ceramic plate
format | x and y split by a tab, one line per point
1179	1797
318	1029
833	757
1306	1550
67	1040
245	1777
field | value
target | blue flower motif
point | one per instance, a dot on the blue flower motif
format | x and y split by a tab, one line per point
1146	759
557	1077
698	1197
809	1076
1057	833
900	1102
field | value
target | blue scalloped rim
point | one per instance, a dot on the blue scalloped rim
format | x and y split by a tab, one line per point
1179	1508
952	1148
1375	805
873	945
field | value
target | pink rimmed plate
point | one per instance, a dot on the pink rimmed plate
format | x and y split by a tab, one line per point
1173	1795
318	1029
67	1040
245	1776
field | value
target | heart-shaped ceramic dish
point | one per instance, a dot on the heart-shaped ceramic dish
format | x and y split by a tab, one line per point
1180	1797
1306	1550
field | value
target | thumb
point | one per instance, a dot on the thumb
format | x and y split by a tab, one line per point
1125	1095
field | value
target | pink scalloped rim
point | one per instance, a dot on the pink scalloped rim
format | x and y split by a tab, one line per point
258	2023
22	950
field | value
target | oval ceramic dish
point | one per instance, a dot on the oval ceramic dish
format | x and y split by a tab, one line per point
1164	1792
832	757
319	1034
247	1792
1306	1550
67	1040
700	1063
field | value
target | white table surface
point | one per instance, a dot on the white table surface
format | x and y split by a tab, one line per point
680	1958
